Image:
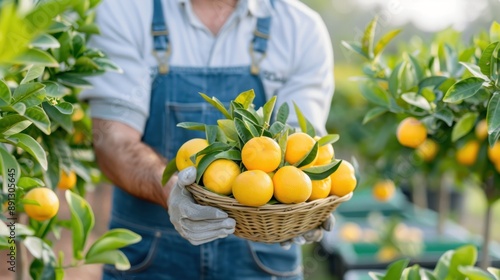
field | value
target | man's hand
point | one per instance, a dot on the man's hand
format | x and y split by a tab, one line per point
196	223
314	235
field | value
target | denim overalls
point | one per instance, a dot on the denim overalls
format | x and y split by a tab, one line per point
163	253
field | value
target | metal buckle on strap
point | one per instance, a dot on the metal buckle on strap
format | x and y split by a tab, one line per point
254	68
160	33
162	58
260	34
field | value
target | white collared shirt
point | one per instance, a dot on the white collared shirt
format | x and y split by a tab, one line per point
298	65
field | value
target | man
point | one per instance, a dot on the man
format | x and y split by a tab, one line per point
169	51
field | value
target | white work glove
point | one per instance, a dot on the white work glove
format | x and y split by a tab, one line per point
196	223
314	235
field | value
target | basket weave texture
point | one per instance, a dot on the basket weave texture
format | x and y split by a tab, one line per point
270	223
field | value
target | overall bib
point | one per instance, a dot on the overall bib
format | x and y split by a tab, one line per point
163	253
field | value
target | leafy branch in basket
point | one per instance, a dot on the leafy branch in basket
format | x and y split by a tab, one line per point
248	139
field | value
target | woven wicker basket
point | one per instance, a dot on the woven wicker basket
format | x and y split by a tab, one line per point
270	223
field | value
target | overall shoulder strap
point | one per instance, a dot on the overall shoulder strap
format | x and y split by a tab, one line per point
259	42
160	37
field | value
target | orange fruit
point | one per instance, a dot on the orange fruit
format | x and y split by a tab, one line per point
48	204
261	153
219	176
384	190
78	113
189	148
494	153
343	179
411	132
253	188
291	185
481	130
320	188
467	154
387	253
427	151
298	146
325	153
350	232
67	181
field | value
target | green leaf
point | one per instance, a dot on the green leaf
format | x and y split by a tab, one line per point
429	274
309	157
8	165
305	125
368	37
375	94
374	113
416	100
243	133
5	94
475	70
475	273
203	165
115	257
72	80
43	267
282	140
355	47
30	94
283	112
216	104
58	27
12	124
20	108
495	32
64	107
394	81
495	272
29	182
276	127
192	126
252	128
31	146
112	240
493	113
107	65
231	155
268	109
375	275
86	64
39	118
45	41
485	62
434	81
463	256
36	56
246	116
328	139
82	222
417	69
413	273
493	137
443	266
229	129
384	40
463	89
323	171
395	270
53	89
34	72
62	119
216	147
445	115
245	98
91	28
169	170
463	126
211	133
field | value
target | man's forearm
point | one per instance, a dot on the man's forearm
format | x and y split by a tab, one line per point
128	162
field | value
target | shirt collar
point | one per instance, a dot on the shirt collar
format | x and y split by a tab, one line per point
256	8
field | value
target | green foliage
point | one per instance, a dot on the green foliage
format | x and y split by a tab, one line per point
454	264
44	64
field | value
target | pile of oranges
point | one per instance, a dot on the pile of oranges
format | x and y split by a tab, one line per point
285	166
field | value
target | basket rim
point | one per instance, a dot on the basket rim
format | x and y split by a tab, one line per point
234	204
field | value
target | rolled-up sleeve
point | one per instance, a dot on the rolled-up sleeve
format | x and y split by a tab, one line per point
125	96
310	84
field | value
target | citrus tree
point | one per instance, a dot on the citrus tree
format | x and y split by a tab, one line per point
44	143
446	99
